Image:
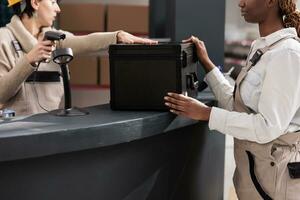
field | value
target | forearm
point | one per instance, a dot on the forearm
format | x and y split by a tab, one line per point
251	127
208	65
90	43
221	88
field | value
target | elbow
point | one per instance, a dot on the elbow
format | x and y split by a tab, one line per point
263	141
6	95
267	129
269	135
2	101
3	95
227	104
7	91
3	98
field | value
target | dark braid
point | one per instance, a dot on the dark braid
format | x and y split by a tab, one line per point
291	16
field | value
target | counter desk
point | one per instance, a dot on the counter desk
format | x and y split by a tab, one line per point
111	155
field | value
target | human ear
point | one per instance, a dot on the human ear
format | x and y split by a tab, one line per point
272	3
35	4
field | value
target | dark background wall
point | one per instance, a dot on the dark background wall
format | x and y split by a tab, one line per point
5	13
179	19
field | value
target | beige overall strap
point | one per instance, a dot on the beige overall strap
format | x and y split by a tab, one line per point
239	105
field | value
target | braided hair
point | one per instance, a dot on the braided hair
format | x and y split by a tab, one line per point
289	13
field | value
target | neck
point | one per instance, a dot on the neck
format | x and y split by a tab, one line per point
31	25
270	26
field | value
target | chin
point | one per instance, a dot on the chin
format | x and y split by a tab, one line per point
250	20
48	24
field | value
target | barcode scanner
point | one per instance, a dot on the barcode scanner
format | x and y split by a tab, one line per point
53	36
62	56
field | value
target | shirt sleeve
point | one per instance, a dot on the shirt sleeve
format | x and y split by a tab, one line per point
278	103
89	43
221	88
11	77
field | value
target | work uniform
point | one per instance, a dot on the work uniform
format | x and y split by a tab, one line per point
264	117
24	97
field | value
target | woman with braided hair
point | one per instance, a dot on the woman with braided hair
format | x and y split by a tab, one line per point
262	111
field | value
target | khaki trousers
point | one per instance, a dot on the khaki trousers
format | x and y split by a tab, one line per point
271	161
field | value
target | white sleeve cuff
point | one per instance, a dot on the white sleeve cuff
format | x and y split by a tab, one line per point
217	120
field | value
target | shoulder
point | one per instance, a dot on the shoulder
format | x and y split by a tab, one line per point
285	59
5	35
287	48
290	46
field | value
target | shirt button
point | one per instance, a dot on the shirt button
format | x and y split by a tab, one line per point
272	164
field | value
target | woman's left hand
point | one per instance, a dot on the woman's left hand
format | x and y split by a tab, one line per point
187	106
127	38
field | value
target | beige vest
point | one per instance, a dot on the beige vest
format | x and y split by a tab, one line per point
270	159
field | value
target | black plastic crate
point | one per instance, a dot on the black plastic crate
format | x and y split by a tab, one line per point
141	75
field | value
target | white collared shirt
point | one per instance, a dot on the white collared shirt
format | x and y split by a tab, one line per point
271	89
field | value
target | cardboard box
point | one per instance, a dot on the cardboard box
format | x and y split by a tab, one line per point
133	19
104	71
82	17
84	70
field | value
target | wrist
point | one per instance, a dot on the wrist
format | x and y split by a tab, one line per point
28	58
31	62
208	111
119	36
208	65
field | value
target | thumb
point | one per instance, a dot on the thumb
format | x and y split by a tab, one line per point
187	40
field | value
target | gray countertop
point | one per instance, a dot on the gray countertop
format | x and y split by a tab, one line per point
45	134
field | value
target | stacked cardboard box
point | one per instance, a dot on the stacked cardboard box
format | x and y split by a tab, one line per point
84	18
84	70
133	19
104	71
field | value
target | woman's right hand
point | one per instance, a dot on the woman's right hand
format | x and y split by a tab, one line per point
41	51
201	53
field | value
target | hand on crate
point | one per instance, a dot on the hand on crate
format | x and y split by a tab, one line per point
201	53
187	106
127	38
